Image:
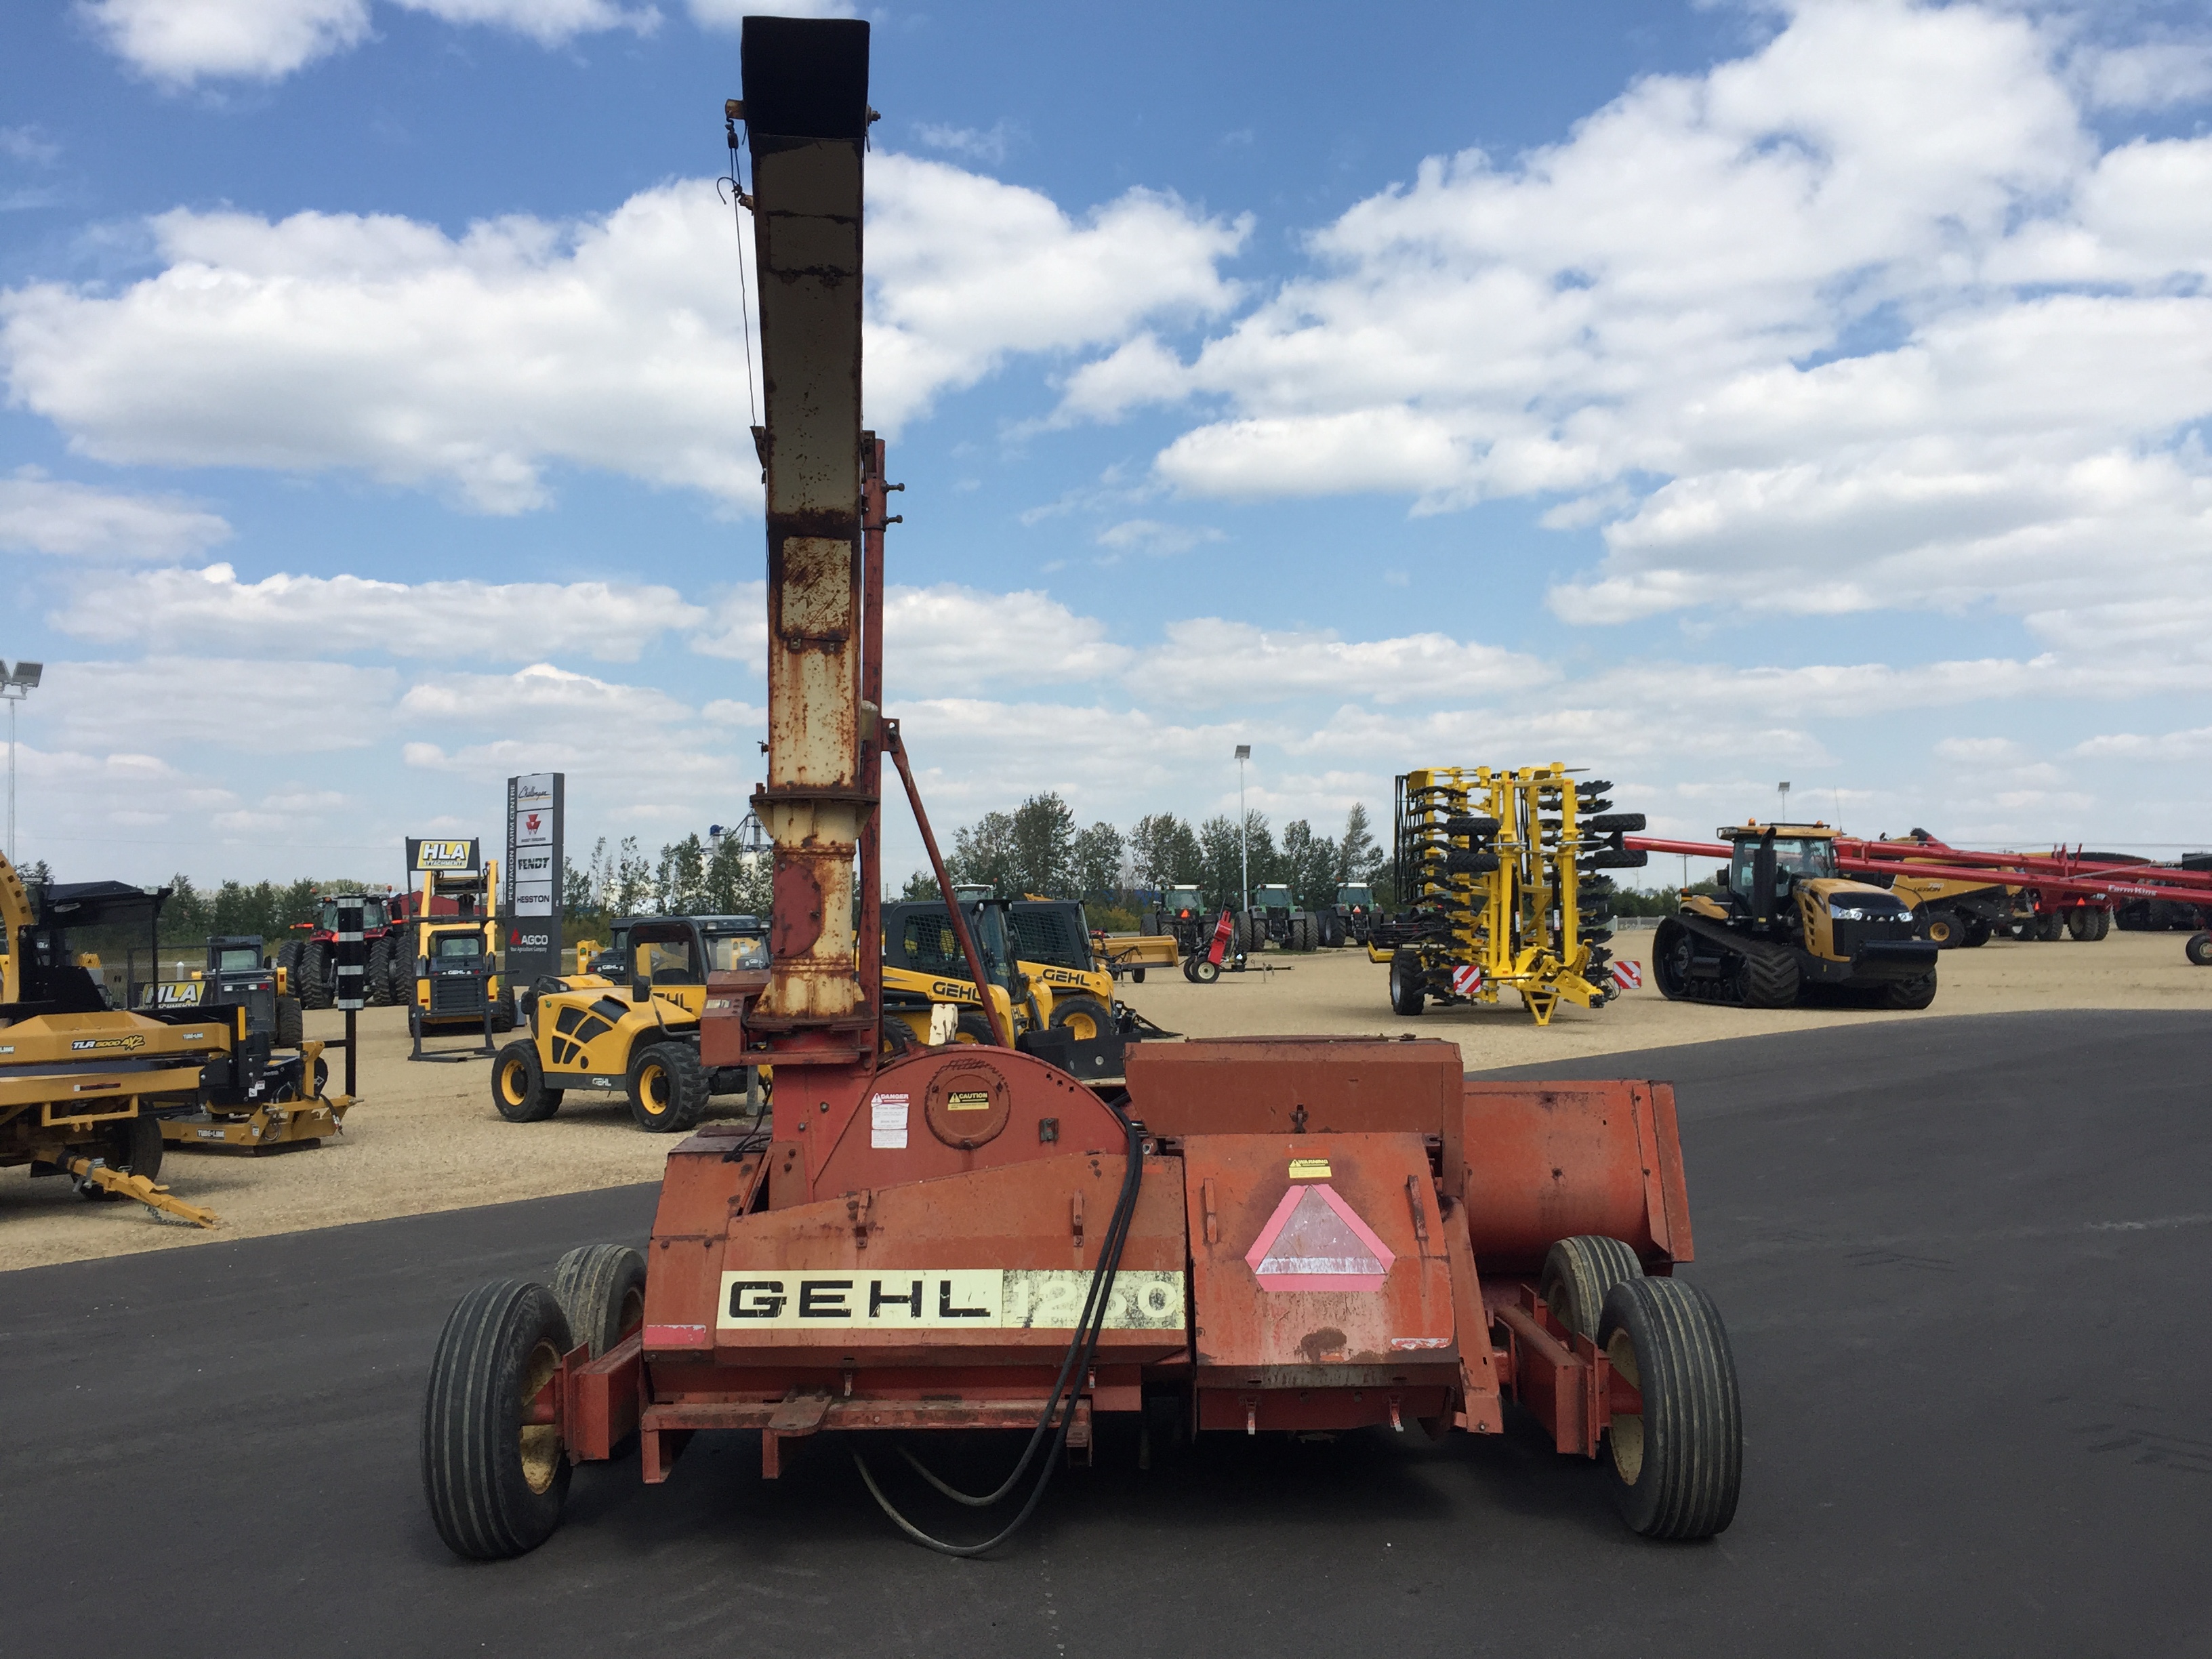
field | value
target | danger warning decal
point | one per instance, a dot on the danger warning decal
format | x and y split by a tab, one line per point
939	1299
1465	981
1627	977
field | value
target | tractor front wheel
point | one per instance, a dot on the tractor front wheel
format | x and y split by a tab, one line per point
1679	1460
667	1087
496	1481
313	985
379	988
518	1086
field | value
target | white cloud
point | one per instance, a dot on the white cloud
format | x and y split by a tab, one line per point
948	638
38	515
986	145
178	41
736	626
549	22
2154	75
2193	745
1213	661
1152	536
380	343
728	15
538	693
29	145
179	609
245	706
1863	318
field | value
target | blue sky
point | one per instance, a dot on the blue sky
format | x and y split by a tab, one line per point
1708	395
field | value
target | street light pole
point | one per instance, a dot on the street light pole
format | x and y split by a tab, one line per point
1243	831
16	685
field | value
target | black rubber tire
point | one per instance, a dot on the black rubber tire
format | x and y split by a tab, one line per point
601	1289
132	1146
290	1027
379	987
2104	924
1204	970
1679	1464
1607	823
502	1010
2079	924
1578	1274
2198	949
1407	996
2050	928
1977	933
1083	1017
1245	939
973	1026
494	1487
401	982
1769	979
1912	993
667	1087
1945	929
312	984
288	959
1190	968
517	1084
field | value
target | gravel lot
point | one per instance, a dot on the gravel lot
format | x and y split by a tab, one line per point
425	1138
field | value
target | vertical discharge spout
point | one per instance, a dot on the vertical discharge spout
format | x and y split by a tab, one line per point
806	122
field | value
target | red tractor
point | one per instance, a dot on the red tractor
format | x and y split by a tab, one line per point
311	967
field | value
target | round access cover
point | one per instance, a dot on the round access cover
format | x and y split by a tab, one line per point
967	1103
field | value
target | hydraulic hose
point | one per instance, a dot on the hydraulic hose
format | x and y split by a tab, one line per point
1082	1349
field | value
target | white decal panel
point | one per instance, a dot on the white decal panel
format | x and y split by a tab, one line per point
940	1298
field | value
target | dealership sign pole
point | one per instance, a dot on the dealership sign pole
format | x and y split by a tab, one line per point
536	803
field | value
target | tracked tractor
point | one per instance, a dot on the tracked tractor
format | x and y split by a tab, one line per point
1787	924
1258	1237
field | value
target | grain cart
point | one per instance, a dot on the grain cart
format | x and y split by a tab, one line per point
1250	1236
1500	865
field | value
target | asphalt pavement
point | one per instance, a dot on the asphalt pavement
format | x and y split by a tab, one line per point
1966	1265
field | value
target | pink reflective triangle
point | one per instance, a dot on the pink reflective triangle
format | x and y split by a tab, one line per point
1314	1242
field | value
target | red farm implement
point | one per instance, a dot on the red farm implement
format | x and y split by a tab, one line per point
1248	1236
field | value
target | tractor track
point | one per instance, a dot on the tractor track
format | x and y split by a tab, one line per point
1997	1453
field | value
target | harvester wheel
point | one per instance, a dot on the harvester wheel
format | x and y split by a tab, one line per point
1943	929
312	983
1083	1018
379	987
1681	1458
601	1289
1579	1274
2199	949
667	1087
1406	994
1912	993
291	1025
518	1086
495	1484
1978	933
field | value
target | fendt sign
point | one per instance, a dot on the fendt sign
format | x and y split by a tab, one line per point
532	909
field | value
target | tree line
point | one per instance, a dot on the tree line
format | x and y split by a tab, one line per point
1038	848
